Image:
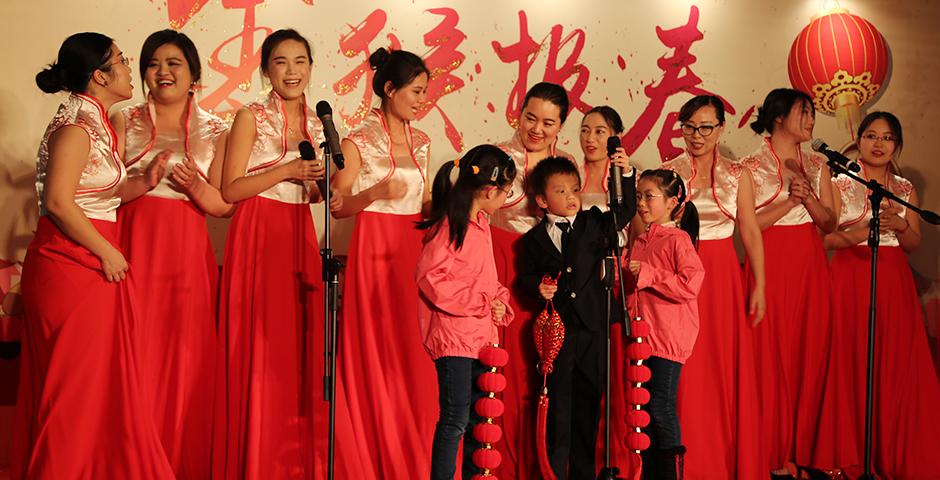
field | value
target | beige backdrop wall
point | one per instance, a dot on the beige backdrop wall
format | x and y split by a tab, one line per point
611	45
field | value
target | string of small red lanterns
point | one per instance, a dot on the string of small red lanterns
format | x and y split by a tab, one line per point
487	432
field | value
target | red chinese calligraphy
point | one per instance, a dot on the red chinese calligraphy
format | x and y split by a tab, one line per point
677	77
237	76
525	52
356	43
442	60
179	12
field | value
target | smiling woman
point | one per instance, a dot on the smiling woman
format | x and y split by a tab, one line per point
271	293
165	237
385	373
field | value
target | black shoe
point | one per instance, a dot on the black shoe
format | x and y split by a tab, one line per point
670	463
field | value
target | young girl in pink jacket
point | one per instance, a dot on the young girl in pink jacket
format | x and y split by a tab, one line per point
462	302
667	274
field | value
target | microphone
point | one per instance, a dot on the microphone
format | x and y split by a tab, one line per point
615	188
307	152
834	156
325	114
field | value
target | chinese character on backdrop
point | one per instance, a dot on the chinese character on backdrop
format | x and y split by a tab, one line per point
236	76
356	44
442	60
525	52
677	78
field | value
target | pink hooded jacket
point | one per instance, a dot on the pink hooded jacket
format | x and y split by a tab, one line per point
456	288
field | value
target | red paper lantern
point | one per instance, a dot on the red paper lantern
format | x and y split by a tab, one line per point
487	458
639	351
493	356
638	418
487	432
638	396
489	407
481	476
638	441
640	329
841	61
491	382
638	373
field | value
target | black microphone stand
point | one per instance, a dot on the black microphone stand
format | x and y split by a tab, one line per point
612	265
330	267
878	193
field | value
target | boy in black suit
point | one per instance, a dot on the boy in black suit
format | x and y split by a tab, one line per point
574	243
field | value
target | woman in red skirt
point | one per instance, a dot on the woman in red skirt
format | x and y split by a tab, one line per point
793	195
81	411
718	392
387	400
906	391
165	238
599	124
544	110
271	420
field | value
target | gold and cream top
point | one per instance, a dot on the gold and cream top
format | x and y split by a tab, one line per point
520	212
772	177
271	148
143	142
103	174
374	142
856	208
717	204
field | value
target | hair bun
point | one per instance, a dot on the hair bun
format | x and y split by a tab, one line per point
50	79
758	125
378	58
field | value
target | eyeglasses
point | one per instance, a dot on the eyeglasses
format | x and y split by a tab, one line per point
507	192
125	60
871	137
647	197
704	130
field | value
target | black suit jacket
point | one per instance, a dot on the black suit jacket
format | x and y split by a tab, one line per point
581	298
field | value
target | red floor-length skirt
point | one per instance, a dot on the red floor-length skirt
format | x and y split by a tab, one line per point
523	383
387	402
167	244
81	413
792	342
906	418
271	418
718	409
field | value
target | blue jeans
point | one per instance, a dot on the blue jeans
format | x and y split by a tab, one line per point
664	418
458	392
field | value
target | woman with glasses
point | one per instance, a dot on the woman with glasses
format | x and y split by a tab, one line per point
81	411
906	391
165	237
718	393
793	198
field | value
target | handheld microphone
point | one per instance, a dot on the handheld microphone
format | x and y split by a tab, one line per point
307	152
834	156
325	114
615	188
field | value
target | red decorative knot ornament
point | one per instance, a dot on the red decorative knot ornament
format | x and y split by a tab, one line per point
549	336
841	61
637	396
487	432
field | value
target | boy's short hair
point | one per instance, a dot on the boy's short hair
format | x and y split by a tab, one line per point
547	168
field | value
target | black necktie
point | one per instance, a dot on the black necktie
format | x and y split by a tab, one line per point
565	228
